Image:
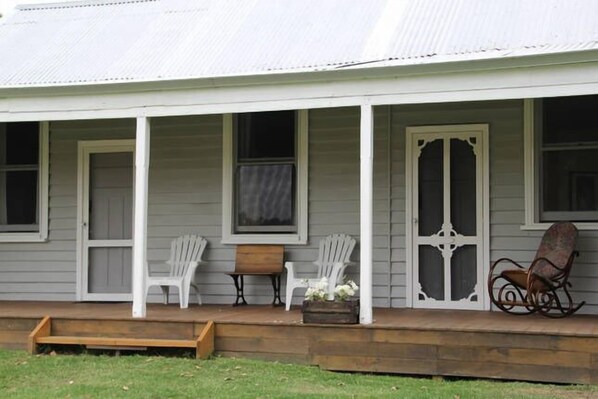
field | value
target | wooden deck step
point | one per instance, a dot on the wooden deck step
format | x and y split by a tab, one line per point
107	341
42	334
131	328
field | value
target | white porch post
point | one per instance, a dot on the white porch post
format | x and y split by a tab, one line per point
366	212
142	153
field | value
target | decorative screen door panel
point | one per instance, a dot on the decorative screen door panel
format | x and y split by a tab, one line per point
107	222
448	186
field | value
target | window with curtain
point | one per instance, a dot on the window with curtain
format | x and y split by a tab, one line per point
265	172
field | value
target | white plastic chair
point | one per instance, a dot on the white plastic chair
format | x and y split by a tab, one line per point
185	255
334	255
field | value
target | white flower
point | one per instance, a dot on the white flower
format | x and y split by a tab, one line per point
345	291
322	284
319	290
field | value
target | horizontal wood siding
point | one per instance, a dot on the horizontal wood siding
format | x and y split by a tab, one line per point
506	172
47	271
334	188
505	119
185	196
186	193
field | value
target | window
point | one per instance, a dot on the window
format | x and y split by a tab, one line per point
265	177
562	171
23	181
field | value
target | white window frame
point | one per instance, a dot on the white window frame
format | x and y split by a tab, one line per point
532	175
43	177
228	235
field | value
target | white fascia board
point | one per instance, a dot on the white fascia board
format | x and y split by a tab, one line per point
473	81
379	69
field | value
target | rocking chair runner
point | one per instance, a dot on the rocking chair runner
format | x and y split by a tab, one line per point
544	286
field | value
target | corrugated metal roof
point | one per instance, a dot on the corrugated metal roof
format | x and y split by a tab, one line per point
102	41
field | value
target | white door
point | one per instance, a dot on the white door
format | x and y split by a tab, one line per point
447	216
105	220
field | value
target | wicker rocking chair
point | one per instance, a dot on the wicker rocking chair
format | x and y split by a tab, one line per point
544	286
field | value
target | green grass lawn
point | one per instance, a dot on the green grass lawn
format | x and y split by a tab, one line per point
92	376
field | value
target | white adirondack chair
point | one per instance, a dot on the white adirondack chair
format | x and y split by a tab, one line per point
185	255
335	252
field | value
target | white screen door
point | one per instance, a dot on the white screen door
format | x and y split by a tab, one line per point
447	225
106	219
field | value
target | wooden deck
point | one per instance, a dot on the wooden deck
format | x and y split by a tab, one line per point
406	341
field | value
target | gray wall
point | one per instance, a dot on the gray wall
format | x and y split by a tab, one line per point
185	195
47	271
507	239
506	174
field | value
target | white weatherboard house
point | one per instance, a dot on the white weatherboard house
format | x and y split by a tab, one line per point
124	124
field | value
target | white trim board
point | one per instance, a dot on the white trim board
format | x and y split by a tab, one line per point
85	149
366	212
475	82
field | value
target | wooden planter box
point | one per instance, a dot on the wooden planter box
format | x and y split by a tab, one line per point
331	312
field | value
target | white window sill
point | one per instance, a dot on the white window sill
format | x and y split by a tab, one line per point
545	226
289	239
22	237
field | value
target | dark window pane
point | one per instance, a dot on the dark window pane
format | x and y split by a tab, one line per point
464	273
21	197
431	188
570	180
22	143
263	135
265	195
584	192
463	188
431	273
569	172
570	119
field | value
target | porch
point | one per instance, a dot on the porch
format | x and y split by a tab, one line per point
405	341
